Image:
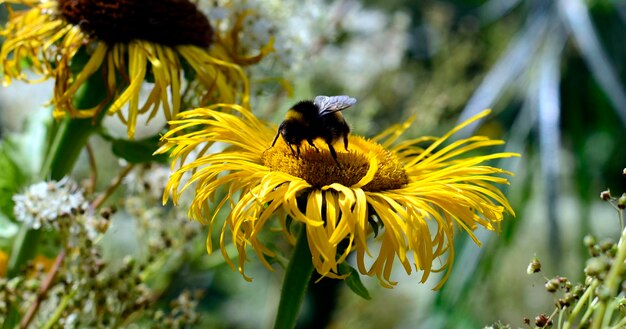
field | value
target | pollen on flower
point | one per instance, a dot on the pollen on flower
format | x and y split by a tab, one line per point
320	169
166	22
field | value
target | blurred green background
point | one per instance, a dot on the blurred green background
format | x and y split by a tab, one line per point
552	71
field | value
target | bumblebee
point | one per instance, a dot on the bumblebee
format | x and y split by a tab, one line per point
320	118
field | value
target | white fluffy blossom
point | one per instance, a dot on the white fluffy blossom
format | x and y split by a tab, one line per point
293	25
43	203
376	42
148	180
305	35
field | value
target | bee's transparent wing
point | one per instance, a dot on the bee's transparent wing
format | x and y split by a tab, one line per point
330	104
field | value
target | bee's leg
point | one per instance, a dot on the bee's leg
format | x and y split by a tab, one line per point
312	145
298	150
345	140
333	153
276	138
292	151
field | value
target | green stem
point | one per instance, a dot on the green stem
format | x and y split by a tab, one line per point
59	310
584	299
296	281
21	252
70	140
593	305
612	281
620	324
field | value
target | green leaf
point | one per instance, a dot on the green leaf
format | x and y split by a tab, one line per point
27	148
8	229
138	151
188	72
354	280
288	222
12	319
11	180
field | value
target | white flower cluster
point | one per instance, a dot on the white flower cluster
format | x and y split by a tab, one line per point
293	24
149	180
43	203
375	42
306	38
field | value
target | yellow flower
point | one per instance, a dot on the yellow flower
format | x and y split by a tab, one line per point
168	43
40	263
406	196
4	263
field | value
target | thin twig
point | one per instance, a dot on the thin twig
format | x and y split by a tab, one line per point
112	187
43	290
93	170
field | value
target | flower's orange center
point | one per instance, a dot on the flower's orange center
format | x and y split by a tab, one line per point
320	169
166	22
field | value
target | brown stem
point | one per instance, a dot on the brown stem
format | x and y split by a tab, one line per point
43	290
93	170
112	187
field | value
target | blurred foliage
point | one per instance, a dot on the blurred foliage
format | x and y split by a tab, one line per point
452	57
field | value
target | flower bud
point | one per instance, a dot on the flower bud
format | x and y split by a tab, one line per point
595	266
578	290
552	285
534	266
621	306
603	293
606	245
589	241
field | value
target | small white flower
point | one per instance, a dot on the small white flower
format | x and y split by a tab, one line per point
43	203
150	180
294	26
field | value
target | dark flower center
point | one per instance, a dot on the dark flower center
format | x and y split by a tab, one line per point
166	22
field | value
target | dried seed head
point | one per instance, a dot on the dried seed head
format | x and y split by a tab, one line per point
605	195
542	320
